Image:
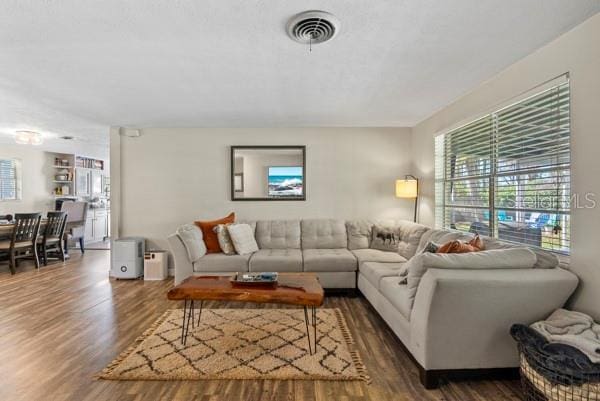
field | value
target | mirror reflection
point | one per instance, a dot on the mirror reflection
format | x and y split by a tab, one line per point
268	173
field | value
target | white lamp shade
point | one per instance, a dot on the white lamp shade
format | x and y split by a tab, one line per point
406	188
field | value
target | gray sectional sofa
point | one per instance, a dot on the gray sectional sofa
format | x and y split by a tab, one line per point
451	316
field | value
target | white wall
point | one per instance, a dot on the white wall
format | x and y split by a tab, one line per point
576	52
37	173
173	176
36	176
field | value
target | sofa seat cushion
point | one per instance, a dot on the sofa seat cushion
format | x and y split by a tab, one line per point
375	271
397	294
276	260
375	255
219	262
329	260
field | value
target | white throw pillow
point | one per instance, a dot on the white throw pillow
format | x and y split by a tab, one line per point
243	239
191	236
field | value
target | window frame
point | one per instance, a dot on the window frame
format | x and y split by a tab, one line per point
442	160
18	180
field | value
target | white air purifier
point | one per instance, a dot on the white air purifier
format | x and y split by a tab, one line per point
127	259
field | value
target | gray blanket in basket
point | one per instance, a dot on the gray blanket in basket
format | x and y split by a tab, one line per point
572	328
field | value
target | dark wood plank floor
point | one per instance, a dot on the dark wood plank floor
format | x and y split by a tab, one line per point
62	324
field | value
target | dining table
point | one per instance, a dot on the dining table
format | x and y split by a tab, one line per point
6	229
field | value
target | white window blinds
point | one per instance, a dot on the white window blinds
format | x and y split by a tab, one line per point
507	174
9	189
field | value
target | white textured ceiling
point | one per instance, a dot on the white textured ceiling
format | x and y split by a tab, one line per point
78	66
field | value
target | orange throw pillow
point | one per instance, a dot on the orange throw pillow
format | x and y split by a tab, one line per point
460	247
210	237
477	243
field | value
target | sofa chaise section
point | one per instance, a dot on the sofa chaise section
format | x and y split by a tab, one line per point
459	318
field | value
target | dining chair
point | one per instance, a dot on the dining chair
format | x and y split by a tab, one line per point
23	242
76	218
52	236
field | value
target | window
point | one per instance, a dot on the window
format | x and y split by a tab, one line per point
9	180
507	174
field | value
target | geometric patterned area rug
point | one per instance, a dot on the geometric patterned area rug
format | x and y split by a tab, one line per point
241	344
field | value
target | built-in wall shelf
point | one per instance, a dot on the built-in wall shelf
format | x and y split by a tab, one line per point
88	162
77	176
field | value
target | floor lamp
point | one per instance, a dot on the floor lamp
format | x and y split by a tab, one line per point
408	188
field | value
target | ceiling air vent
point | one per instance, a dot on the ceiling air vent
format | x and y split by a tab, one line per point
311	27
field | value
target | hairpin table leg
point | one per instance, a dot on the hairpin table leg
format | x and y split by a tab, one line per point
307	331
200	313
183	321
189	317
314	324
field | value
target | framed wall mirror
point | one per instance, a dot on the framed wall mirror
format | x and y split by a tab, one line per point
271	173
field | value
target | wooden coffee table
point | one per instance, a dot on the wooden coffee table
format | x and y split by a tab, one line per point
302	289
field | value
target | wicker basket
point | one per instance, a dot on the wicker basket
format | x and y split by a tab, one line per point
553	372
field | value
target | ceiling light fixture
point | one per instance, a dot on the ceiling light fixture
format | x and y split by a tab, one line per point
28	138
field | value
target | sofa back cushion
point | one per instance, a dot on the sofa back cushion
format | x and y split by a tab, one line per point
324	234
514	258
191	236
410	236
278	234
359	233
544	259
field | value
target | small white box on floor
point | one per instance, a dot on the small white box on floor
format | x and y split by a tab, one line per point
155	265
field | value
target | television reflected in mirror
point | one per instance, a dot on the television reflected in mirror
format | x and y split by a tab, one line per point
274	173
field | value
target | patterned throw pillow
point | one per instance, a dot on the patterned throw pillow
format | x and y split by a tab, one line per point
224	239
242	236
385	238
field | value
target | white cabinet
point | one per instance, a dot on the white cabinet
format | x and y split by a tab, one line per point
89	227
90	182
83	181
97	177
101	227
97	225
